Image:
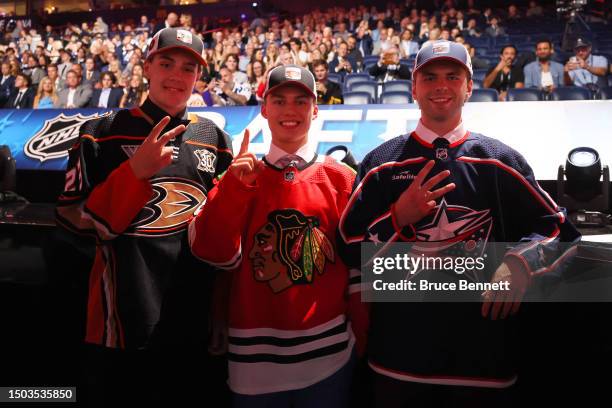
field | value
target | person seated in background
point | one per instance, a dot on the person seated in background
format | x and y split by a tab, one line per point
389	68
341	63
74	95
494	29
91	76
135	94
408	46
46	96
7	83
585	69
543	73
354	54
53	74
22	96
328	92
506	74
477	63
226	92
107	96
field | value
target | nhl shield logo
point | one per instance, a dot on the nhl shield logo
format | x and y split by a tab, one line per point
442	154
56	137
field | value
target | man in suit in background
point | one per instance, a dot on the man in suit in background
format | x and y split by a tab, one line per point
91	76
74	95
7	83
22	96
65	64
108	96
342	63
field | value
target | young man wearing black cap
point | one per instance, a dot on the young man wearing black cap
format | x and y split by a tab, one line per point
449	354
290	342
134	180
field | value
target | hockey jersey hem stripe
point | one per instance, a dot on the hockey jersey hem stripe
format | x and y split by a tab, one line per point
289	359
288	350
444	380
267	331
254	379
286	342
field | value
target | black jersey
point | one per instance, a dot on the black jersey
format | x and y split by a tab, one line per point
140	226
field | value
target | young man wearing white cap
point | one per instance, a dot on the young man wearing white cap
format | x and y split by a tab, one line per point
449	354
134	180
290	342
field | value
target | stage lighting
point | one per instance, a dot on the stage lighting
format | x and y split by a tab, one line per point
344	155
583	187
583	167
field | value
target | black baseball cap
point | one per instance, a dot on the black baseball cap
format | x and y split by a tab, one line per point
443	49
172	37
582	42
290	74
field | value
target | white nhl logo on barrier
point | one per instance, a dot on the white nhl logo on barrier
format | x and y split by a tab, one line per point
56	137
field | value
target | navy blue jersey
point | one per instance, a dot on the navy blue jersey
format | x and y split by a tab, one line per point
496	199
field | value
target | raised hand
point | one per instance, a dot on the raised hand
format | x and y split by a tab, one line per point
153	154
246	166
416	202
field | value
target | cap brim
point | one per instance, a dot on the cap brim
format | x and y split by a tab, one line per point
197	56
443	58
290	82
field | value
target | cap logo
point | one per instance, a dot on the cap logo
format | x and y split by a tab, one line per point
184	36
441	48
293	73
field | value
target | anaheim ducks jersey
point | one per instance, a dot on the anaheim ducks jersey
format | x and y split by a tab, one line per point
287	327
496	199
142	255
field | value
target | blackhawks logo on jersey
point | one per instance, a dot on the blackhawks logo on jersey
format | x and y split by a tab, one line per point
289	249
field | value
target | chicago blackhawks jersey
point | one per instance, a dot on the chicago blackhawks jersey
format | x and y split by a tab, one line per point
288	301
496	199
142	255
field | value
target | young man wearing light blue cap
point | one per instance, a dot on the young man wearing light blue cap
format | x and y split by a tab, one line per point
450	354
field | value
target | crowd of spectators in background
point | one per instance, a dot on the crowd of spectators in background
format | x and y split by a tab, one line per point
100	65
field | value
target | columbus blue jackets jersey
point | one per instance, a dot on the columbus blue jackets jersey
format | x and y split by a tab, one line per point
450	343
142	256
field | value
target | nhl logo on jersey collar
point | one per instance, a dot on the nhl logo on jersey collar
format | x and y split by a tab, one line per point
441	148
289	172
442	153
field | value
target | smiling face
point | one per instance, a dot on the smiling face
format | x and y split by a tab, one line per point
289	110
441	88
172	75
